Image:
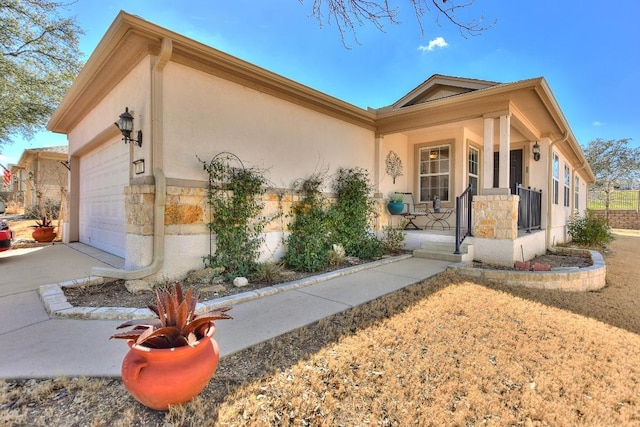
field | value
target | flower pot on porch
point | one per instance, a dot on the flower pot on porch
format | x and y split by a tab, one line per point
43	234
395	208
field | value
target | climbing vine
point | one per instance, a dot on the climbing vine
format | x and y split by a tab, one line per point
234	196
308	243
352	215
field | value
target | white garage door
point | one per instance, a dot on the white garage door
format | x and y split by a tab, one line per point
104	173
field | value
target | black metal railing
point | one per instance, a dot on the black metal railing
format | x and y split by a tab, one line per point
529	208
463	217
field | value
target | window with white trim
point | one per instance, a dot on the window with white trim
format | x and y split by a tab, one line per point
567	185
556	178
576	193
434	167
474	168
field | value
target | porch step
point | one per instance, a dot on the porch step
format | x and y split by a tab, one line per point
443	251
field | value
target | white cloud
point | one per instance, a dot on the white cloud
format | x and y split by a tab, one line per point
437	42
597	123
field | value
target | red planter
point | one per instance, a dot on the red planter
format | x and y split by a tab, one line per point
158	378
44	234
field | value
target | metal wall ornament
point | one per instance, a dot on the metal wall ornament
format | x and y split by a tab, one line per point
394	165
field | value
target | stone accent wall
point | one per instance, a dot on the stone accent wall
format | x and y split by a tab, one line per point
138	205
495	216
187	210
628	219
565	279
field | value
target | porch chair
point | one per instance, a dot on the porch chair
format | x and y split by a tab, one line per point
410	212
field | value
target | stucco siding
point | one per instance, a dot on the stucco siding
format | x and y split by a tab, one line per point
132	92
206	115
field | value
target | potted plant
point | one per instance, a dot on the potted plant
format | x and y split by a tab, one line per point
395	203
172	357
43	231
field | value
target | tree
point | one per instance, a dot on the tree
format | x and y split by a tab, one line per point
39	58
346	14
612	162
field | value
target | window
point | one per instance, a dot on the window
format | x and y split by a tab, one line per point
567	185
434	173
474	167
576	193
556	178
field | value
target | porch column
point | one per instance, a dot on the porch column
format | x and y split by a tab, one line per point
505	142
377	163
487	171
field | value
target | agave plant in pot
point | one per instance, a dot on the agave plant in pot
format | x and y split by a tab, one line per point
172	357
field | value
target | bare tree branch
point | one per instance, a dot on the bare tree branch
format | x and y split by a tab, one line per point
347	15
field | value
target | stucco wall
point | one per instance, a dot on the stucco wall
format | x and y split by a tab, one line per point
205	115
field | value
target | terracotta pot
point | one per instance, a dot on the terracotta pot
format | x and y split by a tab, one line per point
44	234
158	378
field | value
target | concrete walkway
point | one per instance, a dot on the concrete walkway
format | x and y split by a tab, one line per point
35	345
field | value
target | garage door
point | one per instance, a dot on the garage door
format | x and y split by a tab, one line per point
104	173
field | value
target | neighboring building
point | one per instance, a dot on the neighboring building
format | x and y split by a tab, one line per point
189	99
41	171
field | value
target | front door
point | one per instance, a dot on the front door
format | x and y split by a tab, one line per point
515	172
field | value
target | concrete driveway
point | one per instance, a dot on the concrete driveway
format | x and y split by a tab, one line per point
23	270
31	343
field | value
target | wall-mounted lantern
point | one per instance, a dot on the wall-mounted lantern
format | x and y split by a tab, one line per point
536	151
125	124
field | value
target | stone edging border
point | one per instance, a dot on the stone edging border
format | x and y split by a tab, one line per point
56	304
571	279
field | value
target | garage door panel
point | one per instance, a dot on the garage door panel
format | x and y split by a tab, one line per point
104	174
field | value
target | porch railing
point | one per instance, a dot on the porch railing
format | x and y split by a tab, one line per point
463	217
529	208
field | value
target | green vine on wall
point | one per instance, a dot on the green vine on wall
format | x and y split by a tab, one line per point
353	213
234	196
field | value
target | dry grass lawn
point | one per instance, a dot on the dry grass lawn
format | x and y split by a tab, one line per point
445	352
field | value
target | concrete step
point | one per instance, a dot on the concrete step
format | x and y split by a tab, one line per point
443	251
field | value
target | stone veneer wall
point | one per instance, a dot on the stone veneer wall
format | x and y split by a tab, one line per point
187	211
628	219
565	279
495	216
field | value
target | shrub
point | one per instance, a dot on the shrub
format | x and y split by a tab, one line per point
393	238
352	214
308	244
589	230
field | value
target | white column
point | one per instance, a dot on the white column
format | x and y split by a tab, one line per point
487	171
505	143
377	175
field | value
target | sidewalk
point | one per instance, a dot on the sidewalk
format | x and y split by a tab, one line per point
35	345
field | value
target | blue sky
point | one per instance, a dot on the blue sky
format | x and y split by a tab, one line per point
589	54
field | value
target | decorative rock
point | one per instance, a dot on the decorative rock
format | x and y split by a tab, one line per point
214	288
352	260
522	265
137	287
205	275
239	282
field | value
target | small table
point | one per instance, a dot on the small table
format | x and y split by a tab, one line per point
438	218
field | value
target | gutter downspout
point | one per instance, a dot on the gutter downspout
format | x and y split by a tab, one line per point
550	189
160	181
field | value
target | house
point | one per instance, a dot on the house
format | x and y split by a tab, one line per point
145	201
40	172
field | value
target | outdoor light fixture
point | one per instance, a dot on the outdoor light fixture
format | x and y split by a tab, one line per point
536	151
125	124
138	166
